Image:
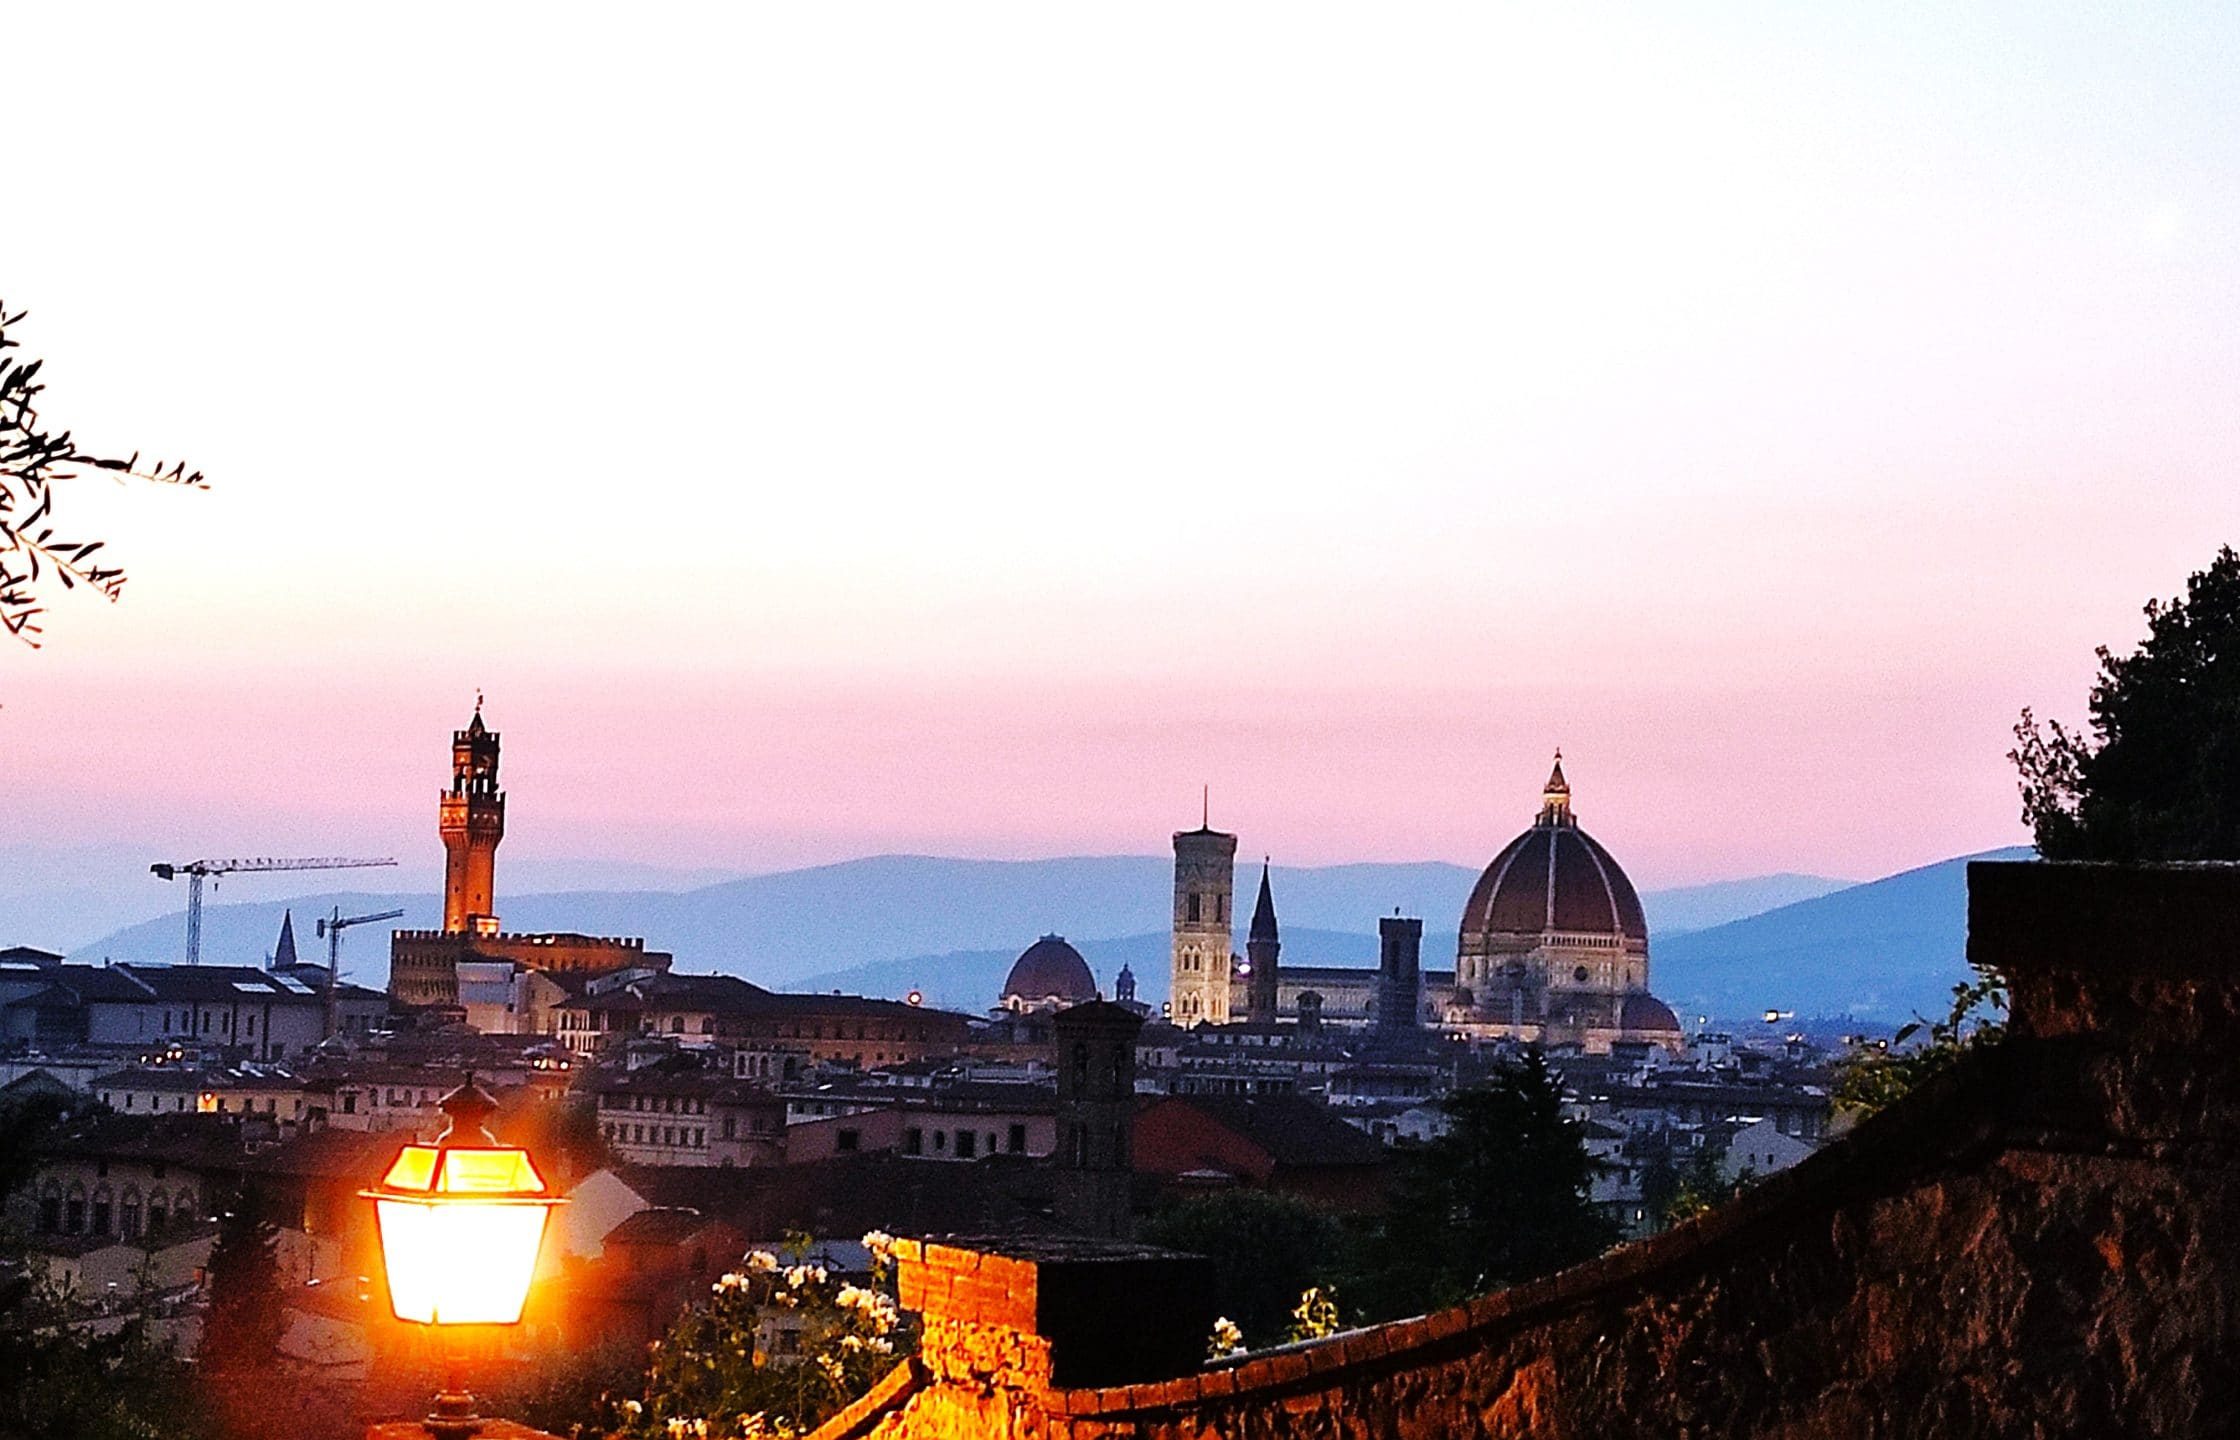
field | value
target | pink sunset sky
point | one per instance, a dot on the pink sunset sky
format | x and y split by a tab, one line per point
834	431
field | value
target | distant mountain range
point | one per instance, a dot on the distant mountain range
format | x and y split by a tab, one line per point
1886	950
1882	950
950	927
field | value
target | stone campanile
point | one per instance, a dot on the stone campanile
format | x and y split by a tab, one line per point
1096	1110
1399	972
472	818
1205	877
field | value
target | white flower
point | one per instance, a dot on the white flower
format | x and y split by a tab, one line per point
761	1260
800	1275
1226	1339
732	1280
880	1244
633	1407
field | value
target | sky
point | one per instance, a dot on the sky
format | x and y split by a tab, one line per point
826	431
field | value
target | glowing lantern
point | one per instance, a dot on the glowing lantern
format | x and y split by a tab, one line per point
461	1222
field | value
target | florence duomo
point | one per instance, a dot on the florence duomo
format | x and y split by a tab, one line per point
1553	949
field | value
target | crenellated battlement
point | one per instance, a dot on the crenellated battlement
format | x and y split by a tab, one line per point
527	937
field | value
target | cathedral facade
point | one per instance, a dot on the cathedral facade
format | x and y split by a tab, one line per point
1553	949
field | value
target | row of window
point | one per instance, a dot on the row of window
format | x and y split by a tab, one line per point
245	1105
75	1215
968	1143
1194	908
692	1136
661	1104
186	1023
575	1020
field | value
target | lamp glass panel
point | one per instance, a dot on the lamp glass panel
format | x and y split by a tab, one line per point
415	1169
459	1262
490	1172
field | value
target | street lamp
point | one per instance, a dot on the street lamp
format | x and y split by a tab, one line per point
460	1224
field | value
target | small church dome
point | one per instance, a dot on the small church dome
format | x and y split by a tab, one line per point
1048	970
1643	1011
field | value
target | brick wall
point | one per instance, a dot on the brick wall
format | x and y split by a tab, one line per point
2046	1241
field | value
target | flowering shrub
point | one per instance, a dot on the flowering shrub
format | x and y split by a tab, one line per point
776	1349
1316	1314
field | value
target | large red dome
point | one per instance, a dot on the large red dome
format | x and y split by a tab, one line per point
1555	877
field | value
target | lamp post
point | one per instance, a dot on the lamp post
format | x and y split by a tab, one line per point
460	1225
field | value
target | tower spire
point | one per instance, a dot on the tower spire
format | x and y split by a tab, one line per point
1205	807
1555	796
284	952
1262	946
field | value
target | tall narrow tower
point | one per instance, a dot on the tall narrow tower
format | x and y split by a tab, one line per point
1096	1108
1205	877
1261	947
1399	972
472	817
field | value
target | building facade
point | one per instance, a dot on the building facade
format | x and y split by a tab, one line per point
1205	865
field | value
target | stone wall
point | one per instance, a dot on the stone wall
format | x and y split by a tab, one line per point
2046	1241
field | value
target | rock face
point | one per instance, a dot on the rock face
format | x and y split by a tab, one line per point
2044	1242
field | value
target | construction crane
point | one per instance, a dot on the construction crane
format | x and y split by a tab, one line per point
198	870
330	929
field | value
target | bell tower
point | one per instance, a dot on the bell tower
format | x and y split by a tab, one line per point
1261	948
472	818
1205	863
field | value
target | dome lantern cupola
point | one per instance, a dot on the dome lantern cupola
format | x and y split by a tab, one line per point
1555	797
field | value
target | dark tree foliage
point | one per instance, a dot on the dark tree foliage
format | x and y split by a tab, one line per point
1264	1250
241	1332
2157	777
1660	1186
33	459
59	1381
1500	1199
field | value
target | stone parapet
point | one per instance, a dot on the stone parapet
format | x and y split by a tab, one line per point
1100	1312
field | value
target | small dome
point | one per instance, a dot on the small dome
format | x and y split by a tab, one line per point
1643	1011
1050	969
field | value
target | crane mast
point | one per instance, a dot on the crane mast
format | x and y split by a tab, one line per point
331	928
197	871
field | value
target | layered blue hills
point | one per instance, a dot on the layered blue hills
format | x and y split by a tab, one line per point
1887	950
889	924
